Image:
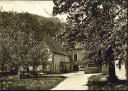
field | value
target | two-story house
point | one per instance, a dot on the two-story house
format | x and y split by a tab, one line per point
59	59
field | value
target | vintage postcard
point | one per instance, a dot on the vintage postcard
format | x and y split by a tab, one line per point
63	45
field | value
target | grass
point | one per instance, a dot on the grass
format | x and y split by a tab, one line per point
95	83
42	83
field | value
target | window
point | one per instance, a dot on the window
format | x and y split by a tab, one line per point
75	57
55	67
62	67
65	66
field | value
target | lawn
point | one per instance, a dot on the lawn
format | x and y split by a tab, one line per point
42	83
95	83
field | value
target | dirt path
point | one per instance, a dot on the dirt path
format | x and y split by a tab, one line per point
74	81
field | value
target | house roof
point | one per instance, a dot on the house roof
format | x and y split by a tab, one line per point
54	45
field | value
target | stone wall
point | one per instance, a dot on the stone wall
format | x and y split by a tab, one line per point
91	67
89	70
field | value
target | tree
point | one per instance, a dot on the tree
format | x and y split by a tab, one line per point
38	54
21	39
18	33
4	59
6	46
96	24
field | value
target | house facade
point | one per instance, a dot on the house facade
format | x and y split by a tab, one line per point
58	63
77	57
59	59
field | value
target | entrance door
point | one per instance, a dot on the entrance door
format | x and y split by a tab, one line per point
75	68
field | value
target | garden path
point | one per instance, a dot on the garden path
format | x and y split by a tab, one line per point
74	81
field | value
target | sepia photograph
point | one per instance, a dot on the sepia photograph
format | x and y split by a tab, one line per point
63	45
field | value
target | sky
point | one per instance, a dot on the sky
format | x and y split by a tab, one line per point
43	8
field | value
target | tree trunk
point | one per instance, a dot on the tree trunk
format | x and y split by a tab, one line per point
1	82
126	69
112	73
33	71
110	57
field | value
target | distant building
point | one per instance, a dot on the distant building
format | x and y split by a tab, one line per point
77	57
80	63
